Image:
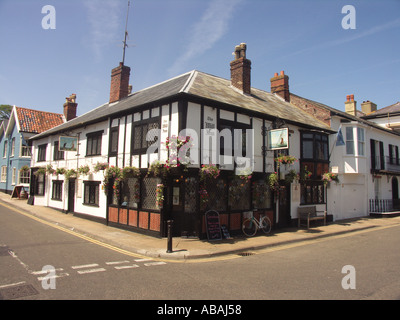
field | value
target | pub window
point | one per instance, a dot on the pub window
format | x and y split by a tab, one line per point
130	195
140	132
57	154
93	147
114	140
42	152
314	153
261	195
39	184
57	190
91	192
148	192
312	192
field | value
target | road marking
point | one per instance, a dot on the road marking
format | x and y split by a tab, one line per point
142	260
116	262
12	284
37	273
156	263
60	275
126	267
91	270
85	266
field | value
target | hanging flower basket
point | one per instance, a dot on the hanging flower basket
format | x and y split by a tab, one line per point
209	171
24	168
84	170
273	181
40	171
329	176
71	173
281	159
100	166
160	195
130	172
60	171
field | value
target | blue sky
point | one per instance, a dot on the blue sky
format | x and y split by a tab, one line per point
40	67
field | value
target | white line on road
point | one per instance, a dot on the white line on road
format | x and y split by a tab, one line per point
116	262
12	284
91	270
85	266
53	277
157	263
126	267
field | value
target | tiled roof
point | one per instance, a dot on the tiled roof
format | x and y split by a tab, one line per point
394	108
37	121
197	84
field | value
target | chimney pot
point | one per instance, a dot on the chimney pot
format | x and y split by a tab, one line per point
241	70
275	74
119	82
70	107
280	85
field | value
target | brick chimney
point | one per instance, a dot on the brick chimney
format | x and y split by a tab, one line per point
70	107
280	86
350	106
241	70
368	107
119	82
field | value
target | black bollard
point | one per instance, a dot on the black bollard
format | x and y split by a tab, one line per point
169	223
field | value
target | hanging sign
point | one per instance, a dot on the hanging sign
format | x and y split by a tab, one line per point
278	139
67	143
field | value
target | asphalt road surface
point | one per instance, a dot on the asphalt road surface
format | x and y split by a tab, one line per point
39	261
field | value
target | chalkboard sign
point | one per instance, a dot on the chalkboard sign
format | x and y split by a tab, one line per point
213	226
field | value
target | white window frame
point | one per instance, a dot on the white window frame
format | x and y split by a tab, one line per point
14	176
3	174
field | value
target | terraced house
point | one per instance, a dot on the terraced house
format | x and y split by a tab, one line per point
15	151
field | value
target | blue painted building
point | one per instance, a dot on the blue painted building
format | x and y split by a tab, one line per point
15	152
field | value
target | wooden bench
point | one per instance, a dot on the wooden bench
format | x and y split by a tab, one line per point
310	213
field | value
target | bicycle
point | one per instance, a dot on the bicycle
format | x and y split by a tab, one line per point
250	225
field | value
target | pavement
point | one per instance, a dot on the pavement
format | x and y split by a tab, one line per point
186	249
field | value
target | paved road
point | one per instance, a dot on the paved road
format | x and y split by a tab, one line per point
85	270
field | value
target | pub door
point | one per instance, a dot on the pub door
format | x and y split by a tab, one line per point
71	195
284	206
182	199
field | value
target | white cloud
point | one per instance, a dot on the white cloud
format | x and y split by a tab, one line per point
206	32
104	18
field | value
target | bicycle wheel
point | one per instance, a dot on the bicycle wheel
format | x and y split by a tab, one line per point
249	227
265	224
